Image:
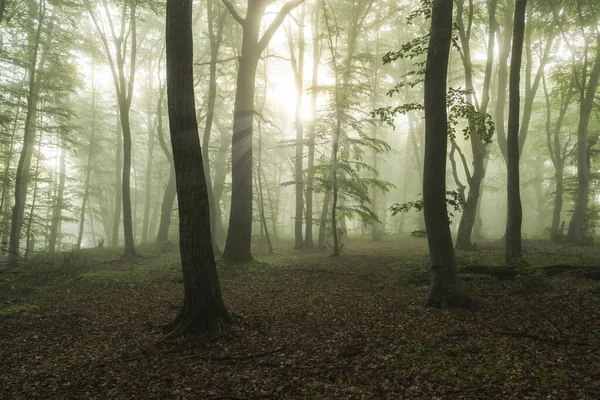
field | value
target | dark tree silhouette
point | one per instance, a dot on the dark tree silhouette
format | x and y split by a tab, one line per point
446	289
514	217
203	309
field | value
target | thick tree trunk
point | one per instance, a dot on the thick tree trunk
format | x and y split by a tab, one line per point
203	309
514	217
239	234
446	289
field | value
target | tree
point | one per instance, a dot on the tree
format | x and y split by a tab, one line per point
36	63
587	82
239	235
446	289
119	57
215	38
316	45
477	125
298	68
203	309
558	151
514	216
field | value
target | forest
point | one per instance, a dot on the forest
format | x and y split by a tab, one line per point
299	199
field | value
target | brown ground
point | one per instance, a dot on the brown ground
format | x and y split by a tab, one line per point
308	326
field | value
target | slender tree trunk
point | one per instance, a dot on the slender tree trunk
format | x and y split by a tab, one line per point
260	192
446	289
215	43
221	172
298	69
58	206
323	220
118	184
30	241
148	196
167	208
127	213
88	171
478	147
576	231
23	174
316	44
514	214
203	308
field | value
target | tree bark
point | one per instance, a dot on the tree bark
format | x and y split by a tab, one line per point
316	43
23	174
116	224
58	206
215	39
446	289
203	309
239	235
478	147
576	231
514	217
148	196
298	69
323	220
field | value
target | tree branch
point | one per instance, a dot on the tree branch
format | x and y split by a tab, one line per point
234	13
283	12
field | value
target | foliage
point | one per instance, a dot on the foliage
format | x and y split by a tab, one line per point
454	201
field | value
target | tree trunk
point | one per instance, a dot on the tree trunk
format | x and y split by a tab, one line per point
586	103
239	234
23	174
514	218
127	214
221	170
298	69
30	241
323	221
504	39
446	289
478	147
308	235
215	44
167	209
148	196
203	309
58	206
118	184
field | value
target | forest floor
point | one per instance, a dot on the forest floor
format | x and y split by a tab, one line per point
307	326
